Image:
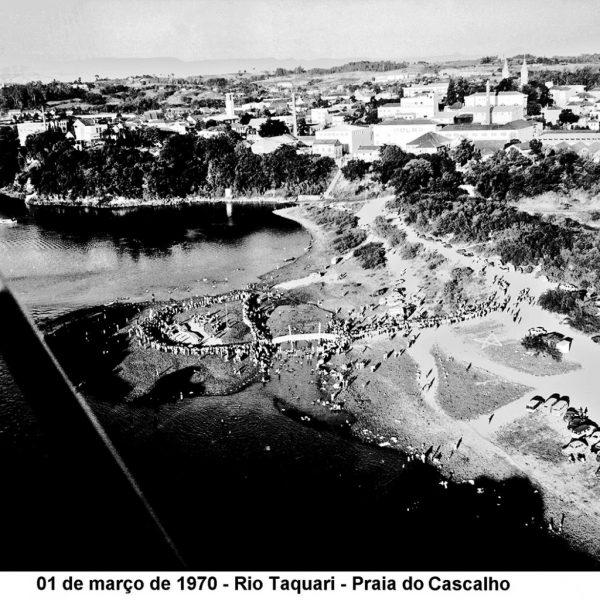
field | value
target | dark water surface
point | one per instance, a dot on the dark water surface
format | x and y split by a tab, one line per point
238	483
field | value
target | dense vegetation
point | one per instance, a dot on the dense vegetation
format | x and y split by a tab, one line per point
371	255
538	345
131	166
581	312
378	66
383	228
343	224
429	196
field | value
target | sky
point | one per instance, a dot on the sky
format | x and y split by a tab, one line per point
309	29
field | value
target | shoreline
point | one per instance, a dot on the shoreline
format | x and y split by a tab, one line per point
412	423
132	203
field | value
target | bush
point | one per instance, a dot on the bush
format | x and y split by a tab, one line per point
348	240
371	255
386	230
538	345
558	301
410	250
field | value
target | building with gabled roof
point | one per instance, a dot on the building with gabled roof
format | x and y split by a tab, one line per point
399	132
331	148
350	136
428	143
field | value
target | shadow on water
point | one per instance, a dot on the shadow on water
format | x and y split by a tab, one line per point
155	230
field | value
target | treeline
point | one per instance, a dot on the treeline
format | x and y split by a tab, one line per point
587	76
185	165
510	175
378	66
32	95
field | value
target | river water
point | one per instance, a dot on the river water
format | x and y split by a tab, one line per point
237	482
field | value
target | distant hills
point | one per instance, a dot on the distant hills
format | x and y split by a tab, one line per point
33	68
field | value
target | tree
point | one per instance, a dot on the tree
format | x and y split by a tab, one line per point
535	146
415	175
272	128
9	155
355	169
464	152
567	117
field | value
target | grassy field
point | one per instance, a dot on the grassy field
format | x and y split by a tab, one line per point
468	394
512	354
531	435
304	318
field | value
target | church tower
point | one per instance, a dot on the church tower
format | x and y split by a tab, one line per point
505	71
524	73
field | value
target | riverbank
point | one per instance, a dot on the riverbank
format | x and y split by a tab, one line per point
391	400
126	203
398	404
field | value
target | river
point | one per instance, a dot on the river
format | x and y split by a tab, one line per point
237	482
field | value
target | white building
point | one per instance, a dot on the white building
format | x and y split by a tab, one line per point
400	132
229	105
87	130
330	148
497	99
439	87
350	136
428	143
320	115
517	130
562	94
571	136
551	114
391	110
498	115
367	153
422	106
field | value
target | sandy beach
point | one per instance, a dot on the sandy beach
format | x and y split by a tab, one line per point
393	410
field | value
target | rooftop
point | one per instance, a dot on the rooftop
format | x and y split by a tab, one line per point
406	122
430	140
328	142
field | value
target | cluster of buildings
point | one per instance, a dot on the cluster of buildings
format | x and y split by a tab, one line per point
420	122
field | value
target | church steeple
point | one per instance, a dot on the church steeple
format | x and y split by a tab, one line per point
505	71
524	73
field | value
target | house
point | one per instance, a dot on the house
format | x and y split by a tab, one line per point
367	153
400	132
440	88
87	130
350	136
320	115
422	106
391	110
428	143
562	94
551	114
330	148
